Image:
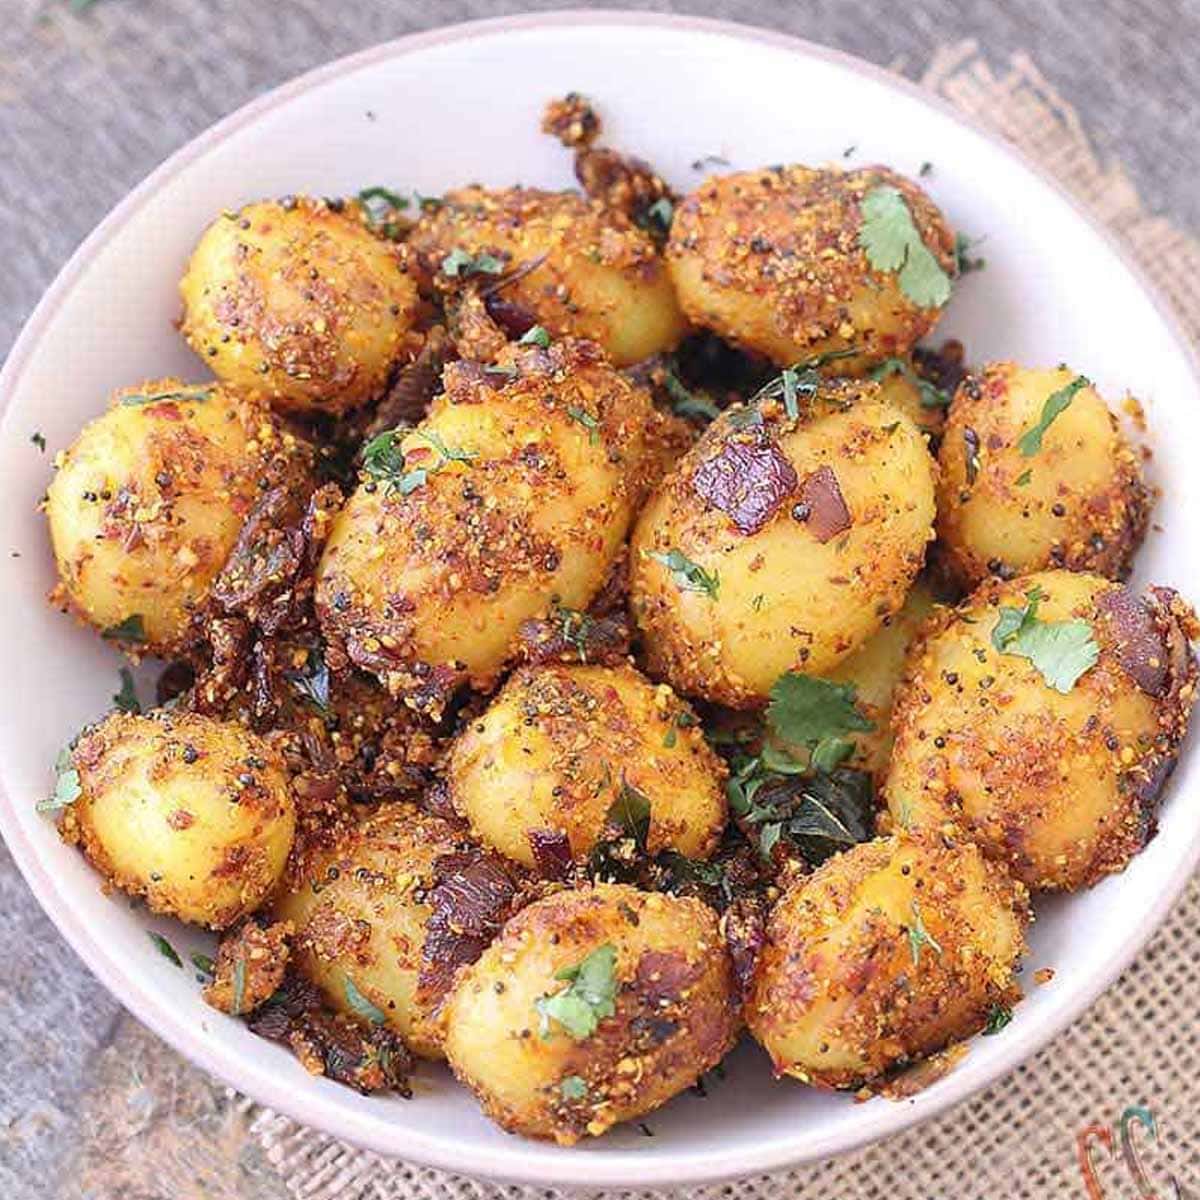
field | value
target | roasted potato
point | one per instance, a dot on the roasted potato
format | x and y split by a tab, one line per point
592	1007
773	261
875	671
1017	494
571	265
515	493
194	814
148	501
561	744
780	543
299	300
902	387
888	952
1061	782
361	916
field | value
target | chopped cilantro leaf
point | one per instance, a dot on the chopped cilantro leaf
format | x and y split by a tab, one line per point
537	336
580	417
892	243
1062	651
165	948
805	711
588	998
1056	403
919	936
127	699
361	1005
135	399
572	1087
458	264
688	576
132	629
998	1017
930	395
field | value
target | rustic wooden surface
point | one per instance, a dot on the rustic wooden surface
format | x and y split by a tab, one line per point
91	1105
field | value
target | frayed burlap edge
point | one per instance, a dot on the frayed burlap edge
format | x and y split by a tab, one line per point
1019	1139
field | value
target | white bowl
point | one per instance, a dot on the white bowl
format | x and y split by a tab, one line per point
463	103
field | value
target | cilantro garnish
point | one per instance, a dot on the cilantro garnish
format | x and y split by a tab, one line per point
458	264
919	936
580	417
380	206
67	788
685	402
360	1005
892	243
688	576
588	998
998	1017
539	335
127	699
806	711
572	1087
165	948
203	963
963	263
930	395
1056	403
385	462
239	987
1062	651
193	393
132	629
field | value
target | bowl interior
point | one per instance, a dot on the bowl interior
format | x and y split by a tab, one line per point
439	110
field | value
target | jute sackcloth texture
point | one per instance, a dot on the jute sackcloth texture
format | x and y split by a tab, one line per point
1137	1047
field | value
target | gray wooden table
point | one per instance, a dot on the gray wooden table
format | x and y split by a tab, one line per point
91	1105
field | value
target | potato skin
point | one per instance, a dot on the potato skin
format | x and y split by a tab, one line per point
361	914
875	671
601	278
194	814
555	747
786	599
148	500
676	1013
837	998
435	584
771	261
299	300
1063	788
1083	504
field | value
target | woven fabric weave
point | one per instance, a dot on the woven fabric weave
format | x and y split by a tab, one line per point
1135	1047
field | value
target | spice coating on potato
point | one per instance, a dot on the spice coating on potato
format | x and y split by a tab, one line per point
578	268
888	952
1063	788
514	493
673	1013
191	813
771	260
297	299
875	671
556	749
361	916
148	500
801	535
1076	500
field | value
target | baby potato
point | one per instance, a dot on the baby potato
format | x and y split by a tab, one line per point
148	501
888	952
597	275
194	814
900	386
361	916
772	261
875	671
299	300
559	746
1061	786
780	544
1011	502
515	493
592	1007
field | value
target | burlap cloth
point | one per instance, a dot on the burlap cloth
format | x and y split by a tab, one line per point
1136	1046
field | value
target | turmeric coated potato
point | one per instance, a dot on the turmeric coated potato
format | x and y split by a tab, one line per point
888	952
537	774
593	1007
577	268
1027	483
875	671
773	261
361	915
299	300
148	501
1059	779
515	493
903	388
780	544
194	814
